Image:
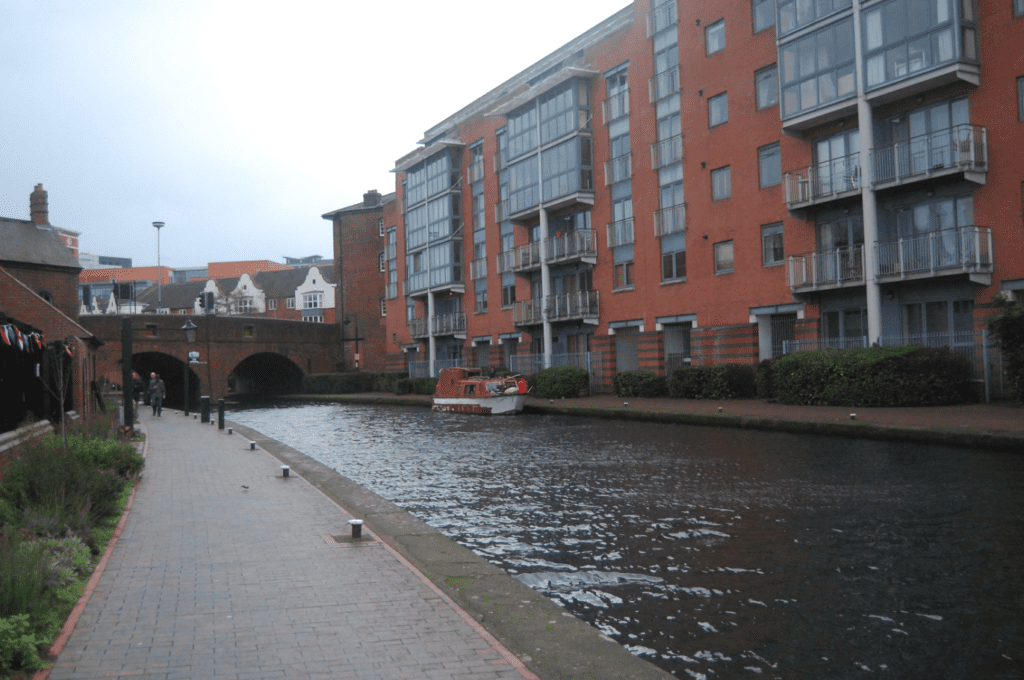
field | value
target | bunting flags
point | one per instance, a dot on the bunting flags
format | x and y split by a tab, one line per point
11	336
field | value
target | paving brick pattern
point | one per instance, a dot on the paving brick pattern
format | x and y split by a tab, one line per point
211	580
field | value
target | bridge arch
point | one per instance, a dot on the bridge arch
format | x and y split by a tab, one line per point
172	371
265	373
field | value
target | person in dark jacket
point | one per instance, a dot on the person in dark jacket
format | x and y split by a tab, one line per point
157	391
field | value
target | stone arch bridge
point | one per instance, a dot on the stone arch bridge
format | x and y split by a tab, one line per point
237	355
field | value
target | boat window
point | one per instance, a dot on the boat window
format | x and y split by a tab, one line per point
469	389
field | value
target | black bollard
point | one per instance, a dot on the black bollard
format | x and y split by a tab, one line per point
220	414
204	409
357	527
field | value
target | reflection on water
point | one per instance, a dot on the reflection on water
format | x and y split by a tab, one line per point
714	553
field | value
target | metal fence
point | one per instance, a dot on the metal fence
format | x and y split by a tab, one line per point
976	346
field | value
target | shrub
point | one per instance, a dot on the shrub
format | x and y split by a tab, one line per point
878	376
640	384
338	383
764	380
562	382
423	386
724	381
22	577
104	454
1008	329
19	649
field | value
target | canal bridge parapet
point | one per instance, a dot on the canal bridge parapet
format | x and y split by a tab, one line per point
237	354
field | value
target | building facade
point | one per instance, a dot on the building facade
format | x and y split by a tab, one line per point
709	183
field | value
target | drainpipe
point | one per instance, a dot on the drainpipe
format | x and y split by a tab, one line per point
865	124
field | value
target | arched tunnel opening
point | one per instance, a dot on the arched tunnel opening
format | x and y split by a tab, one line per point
265	374
172	371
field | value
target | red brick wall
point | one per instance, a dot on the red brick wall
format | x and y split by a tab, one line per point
61	284
725	345
651	351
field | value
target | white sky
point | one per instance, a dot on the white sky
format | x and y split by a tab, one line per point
239	123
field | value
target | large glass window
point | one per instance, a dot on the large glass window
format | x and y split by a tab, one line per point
766	82
723	257
769	165
567	168
721	183
763	14
818	69
903	37
714	37
416	227
1018	8
794	14
522	131
673	256
563	110
718	109
772	251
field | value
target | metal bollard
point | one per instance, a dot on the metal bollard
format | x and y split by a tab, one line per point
204	409
220	414
252	446
231	430
357	527
285	470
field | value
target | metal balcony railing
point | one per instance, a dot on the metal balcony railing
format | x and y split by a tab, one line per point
958	148
664	84
583	305
825	181
671	220
666	152
391	291
501	211
419	328
618	169
661	18
615	106
620	233
449	324
390	251
478	269
937	253
574	245
830	268
475	172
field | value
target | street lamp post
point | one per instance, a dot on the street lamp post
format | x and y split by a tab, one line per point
190	337
159	302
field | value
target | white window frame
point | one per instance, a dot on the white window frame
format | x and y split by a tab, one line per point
721	248
714	38
721	189
722	116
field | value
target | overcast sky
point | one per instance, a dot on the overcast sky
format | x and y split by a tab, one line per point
237	123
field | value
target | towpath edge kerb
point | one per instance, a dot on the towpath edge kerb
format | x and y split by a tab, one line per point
551	642
640	411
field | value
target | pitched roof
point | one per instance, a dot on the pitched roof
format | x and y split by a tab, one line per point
282	284
172	295
22	241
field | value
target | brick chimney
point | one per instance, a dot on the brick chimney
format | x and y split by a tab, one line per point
39	206
371	198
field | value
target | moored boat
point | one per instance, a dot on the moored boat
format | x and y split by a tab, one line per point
468	390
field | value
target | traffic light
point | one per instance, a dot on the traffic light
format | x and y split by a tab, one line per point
202	300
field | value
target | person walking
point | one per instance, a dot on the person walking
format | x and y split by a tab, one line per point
157	391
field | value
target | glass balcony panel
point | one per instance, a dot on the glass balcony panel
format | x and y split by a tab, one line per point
957	148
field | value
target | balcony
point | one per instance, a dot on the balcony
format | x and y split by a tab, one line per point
948	252
620	233
671	220
618	169
667	152
958	150
661	18
478	269
475	172
419	328
615	106
827	269
573	246
500	211
390	291
825	182
390	251
664	84
583	305
449	324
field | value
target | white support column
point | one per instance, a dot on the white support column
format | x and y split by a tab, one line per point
545	284
431	343
865	124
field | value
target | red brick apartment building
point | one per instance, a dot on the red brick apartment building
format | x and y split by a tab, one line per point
718	182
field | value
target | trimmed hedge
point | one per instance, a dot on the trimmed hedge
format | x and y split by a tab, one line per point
878	376
724	381
562	382
338	383
1008	329
640	384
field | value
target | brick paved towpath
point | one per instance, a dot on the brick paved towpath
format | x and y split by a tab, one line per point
227	569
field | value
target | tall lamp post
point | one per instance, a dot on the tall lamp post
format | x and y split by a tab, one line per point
159	302
190	337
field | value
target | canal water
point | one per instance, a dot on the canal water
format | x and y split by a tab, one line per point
714	553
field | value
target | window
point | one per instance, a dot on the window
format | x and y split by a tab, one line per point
673	257
1018	8
272	304
721	183
714	37
818	68
723	257
772	251
624	275
480	288
383	307
508	295
381	262
769	165
766	81
902	37
244	306
289	303
314	319
718	109
796	13
764	15
312	300
380	225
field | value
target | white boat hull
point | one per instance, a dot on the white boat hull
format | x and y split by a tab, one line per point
500	405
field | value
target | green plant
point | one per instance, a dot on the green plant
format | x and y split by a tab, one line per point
19	649
640	384
104	454
423	385
723	381
1008	330
562	382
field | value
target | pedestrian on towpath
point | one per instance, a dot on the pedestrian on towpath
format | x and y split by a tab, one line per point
157	391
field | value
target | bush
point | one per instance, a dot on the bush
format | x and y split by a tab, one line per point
562	382
764	380
19	649
1008	329
724	381
423	386
338	383
878	376
104	454
640	384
